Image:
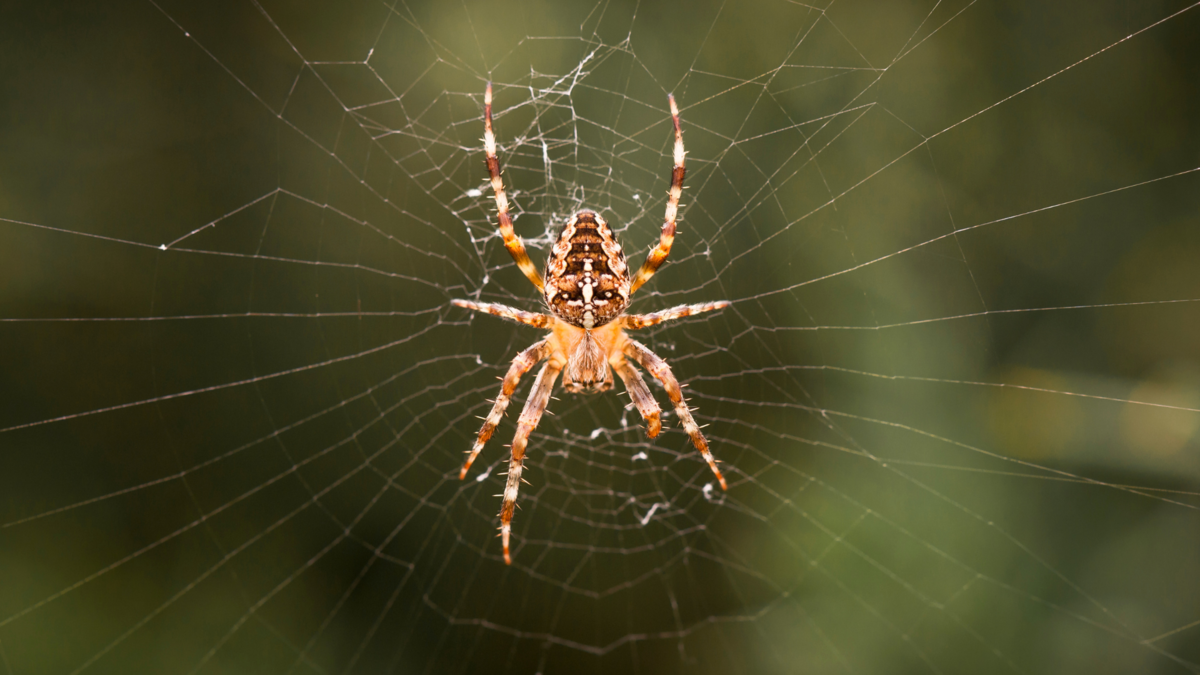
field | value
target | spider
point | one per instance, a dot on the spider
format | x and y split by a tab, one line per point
587	287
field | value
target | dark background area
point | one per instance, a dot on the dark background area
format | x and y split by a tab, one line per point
957	394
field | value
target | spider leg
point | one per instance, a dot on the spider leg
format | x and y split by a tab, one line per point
662	372
659	254
530	416
520	365
640	393
511	241
635	321
504	311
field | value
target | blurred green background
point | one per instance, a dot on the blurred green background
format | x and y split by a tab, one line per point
957	394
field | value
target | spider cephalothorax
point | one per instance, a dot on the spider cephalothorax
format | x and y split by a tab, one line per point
587	288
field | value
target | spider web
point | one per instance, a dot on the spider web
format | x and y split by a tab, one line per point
957	395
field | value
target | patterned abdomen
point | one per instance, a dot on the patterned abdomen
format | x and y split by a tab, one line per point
587	280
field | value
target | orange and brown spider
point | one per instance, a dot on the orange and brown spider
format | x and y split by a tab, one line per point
587	289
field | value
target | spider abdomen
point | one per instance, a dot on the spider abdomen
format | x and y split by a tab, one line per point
587	280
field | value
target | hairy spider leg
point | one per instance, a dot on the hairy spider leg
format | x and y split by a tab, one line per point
662	372
530	416
511	241
520	365
505	312
659	253
636	321
640	393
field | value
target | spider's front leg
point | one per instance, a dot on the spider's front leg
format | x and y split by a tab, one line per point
640	393
662	372
530	416
520	365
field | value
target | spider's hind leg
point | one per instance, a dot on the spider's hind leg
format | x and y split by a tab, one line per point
658	255
511	241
